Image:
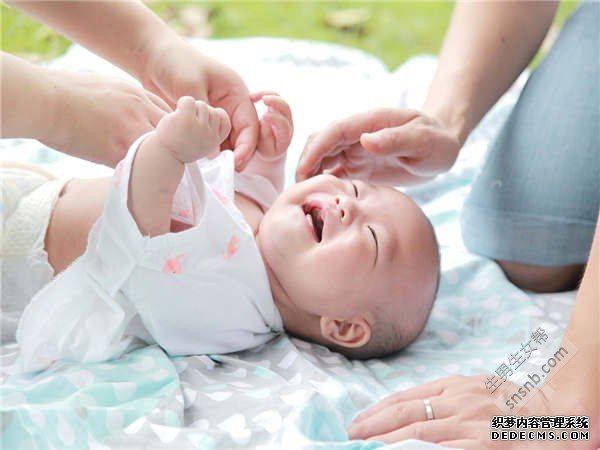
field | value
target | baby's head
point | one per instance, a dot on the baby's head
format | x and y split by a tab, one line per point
351	265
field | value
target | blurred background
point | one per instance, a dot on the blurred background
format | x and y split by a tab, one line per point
393	31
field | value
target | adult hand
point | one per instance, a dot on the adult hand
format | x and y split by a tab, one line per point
96	117
176	69
384	145
462	409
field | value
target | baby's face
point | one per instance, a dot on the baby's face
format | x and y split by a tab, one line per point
337	246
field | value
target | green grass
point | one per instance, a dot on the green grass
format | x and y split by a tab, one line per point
394	31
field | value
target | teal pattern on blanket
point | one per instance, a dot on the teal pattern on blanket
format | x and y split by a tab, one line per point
74	405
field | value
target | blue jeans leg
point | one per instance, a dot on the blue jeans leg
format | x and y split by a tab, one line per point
536	200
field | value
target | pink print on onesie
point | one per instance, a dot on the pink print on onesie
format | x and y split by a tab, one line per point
173	265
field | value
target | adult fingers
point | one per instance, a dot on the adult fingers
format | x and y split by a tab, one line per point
388	419
153	88
154	113
429	431
464	444
404	141
338	171
334	166
348	131
257	96
399	415
324	144
427	390
244	128
318	166
159	102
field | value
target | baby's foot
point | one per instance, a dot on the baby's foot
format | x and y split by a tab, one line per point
194	130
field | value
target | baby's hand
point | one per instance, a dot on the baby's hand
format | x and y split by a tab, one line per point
194	130
276	126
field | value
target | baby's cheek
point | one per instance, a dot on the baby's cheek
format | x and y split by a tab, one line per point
339	262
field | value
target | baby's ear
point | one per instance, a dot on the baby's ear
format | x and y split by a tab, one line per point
349	333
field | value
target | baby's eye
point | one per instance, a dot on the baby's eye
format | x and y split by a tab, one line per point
376	243
355	190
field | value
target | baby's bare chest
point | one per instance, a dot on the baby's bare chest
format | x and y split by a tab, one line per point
251	211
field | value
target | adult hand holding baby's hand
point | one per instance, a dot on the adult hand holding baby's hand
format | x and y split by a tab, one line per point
385	145
175	69
276	129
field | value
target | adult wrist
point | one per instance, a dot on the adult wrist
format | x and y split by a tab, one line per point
450	101
47	121
453	117
151	69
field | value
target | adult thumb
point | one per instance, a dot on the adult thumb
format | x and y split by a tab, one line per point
397	141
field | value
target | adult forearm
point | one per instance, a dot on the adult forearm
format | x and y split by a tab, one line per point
487	45
577	385
124	32
21	80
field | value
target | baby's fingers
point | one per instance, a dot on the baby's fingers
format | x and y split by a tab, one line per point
219	122
266	141
257	96
273	100
186	105
276	133
278	104
202	111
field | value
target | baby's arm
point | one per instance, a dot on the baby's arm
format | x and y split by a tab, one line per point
276	129
194	130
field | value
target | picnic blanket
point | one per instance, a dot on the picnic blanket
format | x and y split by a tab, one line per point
287	393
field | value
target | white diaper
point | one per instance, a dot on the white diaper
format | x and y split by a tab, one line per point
27	199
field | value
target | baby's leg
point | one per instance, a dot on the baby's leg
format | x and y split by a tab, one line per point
194	130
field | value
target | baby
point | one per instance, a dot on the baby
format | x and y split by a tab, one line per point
185	252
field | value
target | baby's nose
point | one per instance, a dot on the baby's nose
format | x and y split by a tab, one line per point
344	209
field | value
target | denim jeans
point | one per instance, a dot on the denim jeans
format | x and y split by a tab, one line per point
536	200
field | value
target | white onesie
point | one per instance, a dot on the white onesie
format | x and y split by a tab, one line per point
199	291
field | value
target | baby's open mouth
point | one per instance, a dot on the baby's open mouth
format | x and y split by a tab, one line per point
315	218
